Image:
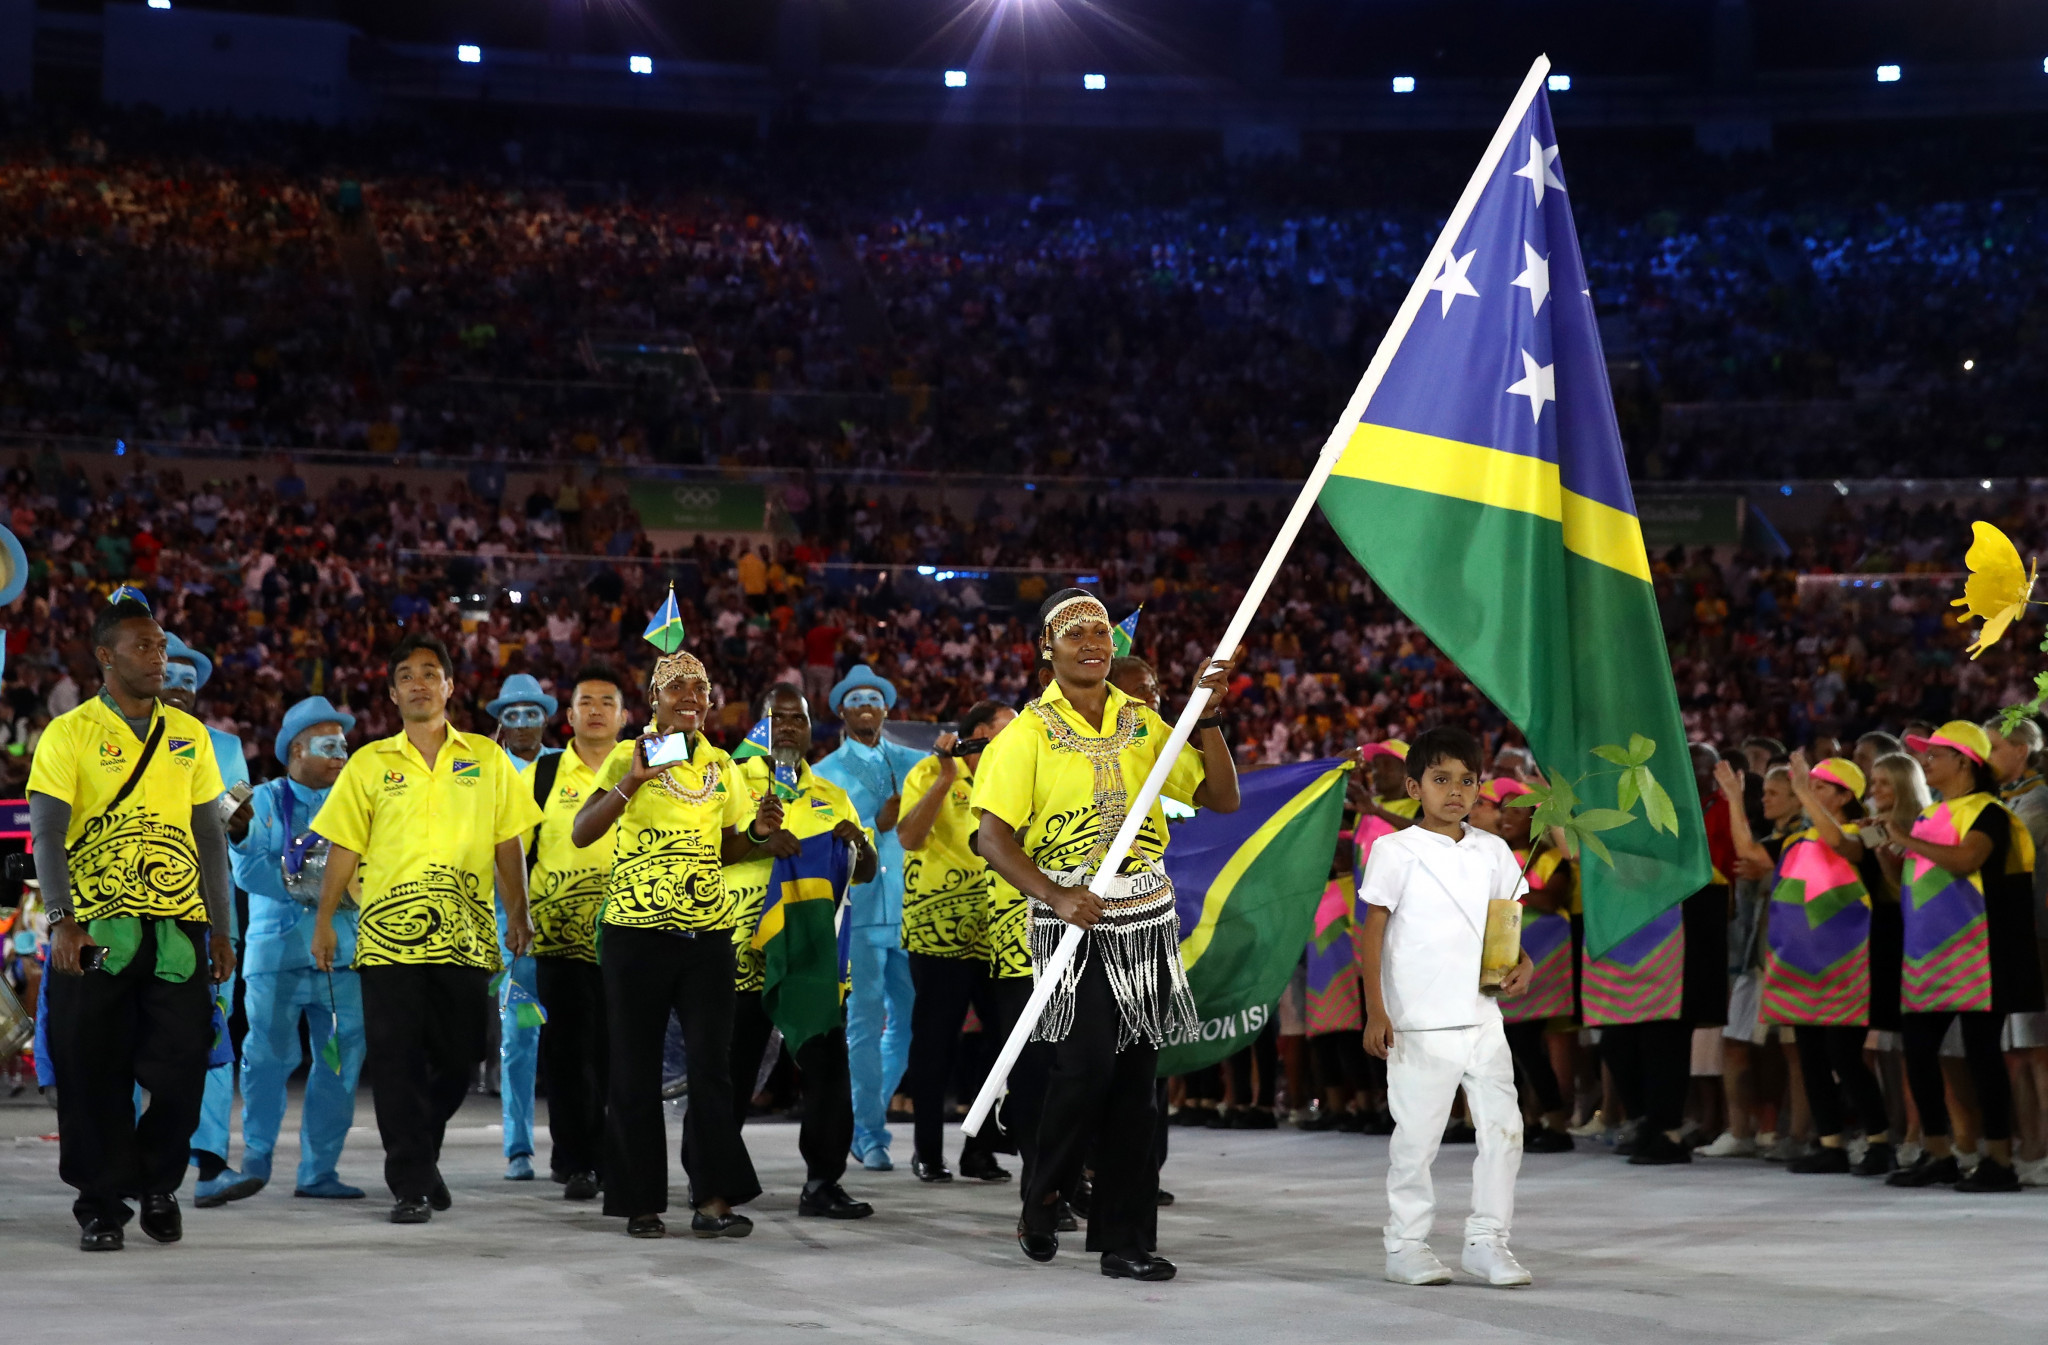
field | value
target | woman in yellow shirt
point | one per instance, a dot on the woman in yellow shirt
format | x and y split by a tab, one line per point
1051	793
665	943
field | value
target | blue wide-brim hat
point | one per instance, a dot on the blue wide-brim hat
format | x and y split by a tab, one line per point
862	676
308	712
522	689
177	651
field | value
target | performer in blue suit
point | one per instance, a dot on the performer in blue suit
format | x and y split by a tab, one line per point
522	710
283	986
186	670
870	769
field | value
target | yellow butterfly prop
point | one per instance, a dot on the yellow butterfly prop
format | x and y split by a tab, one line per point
1999	587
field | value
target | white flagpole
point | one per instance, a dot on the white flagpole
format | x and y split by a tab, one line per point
1233	635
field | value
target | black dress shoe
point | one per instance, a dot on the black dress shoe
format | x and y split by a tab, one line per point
1164	1199
439	1197
1254	1118
1137	1266
646	1226
1544	1140
1081	1197
981	1166
161	1219
411	1212
1038	1246
1065	1221
734	1225
1822	1159
581	1186
1991	1175
1654	1148
829	1200
1878	1160
1927	1170
101	1235
930	1172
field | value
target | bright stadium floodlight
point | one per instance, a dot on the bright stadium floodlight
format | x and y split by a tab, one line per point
1095	83
2044	65
469	55
1887	74
956	79
1404	84
640	65
159	4
1560	83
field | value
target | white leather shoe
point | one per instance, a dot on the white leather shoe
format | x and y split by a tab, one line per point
1493	1262
1415	1263
1727	1145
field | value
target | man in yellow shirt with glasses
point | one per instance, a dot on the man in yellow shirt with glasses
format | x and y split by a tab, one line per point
427	814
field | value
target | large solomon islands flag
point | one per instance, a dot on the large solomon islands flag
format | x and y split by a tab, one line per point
1485	490
1247	885
804	957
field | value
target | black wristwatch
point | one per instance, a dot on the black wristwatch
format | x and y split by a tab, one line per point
1215	721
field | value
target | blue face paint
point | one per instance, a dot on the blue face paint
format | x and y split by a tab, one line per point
522	717
863	698
181	677
331	745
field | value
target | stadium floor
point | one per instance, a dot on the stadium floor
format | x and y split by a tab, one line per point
1275	1233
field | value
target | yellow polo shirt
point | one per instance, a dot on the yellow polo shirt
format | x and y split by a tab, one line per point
665	867
818	807
1036	776
141	861
566	887
428	837
945	884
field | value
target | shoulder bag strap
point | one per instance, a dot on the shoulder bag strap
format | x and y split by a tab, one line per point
156	735
544	772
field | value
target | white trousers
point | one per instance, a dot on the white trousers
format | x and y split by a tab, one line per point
1424	1072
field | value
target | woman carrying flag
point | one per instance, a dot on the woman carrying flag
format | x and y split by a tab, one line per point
665	944
1051	793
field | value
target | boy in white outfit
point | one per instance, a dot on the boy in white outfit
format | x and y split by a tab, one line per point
1426	890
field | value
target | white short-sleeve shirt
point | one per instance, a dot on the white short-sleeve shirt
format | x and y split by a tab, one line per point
1435	890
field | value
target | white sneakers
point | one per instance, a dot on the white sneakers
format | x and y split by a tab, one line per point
2034	1173
1491	1261
1728	1145
1415	1263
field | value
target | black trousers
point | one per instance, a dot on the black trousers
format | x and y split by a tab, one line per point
945	986
574	1046
1652	1064
1529	1043
1023	1104
825	1136
648	974
1924	1032
1100	1104
1831	1059
1339	1058
108	1034
424	1027
1265	1048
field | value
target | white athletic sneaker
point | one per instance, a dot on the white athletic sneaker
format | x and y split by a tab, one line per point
1596	1124
2034	1173
1491	1261
1728	1145
1415	1263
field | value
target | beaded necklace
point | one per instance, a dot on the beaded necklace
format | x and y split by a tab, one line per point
1106	756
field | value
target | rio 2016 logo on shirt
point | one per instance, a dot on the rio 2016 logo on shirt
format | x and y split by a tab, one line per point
468	772
568	794
394	781
182	749
110	754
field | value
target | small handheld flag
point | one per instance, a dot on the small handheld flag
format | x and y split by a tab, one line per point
785	782
757	743
128	591
1126	633
526	1010
330	1050
665	630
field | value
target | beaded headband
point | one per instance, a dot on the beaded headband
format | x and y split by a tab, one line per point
1081	607
678	667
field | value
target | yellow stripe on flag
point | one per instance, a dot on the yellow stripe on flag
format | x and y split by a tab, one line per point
1599	532
802	889
1195	944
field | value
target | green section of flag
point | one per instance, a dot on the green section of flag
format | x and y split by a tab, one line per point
330	1050
759	741
665	628
799	940
1242	936
1124	638
1569	649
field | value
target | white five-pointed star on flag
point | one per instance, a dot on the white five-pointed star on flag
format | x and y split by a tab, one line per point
1453	282
1538	383
1535	278
1537	170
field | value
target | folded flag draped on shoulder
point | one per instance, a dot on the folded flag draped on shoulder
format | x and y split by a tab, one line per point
665	628
1485	490
1247	885
801	992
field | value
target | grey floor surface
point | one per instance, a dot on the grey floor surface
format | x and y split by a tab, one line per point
1276	1234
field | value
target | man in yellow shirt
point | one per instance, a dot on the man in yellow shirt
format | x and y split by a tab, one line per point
131	853
567	894
945	932
427	814
665	946
816	805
